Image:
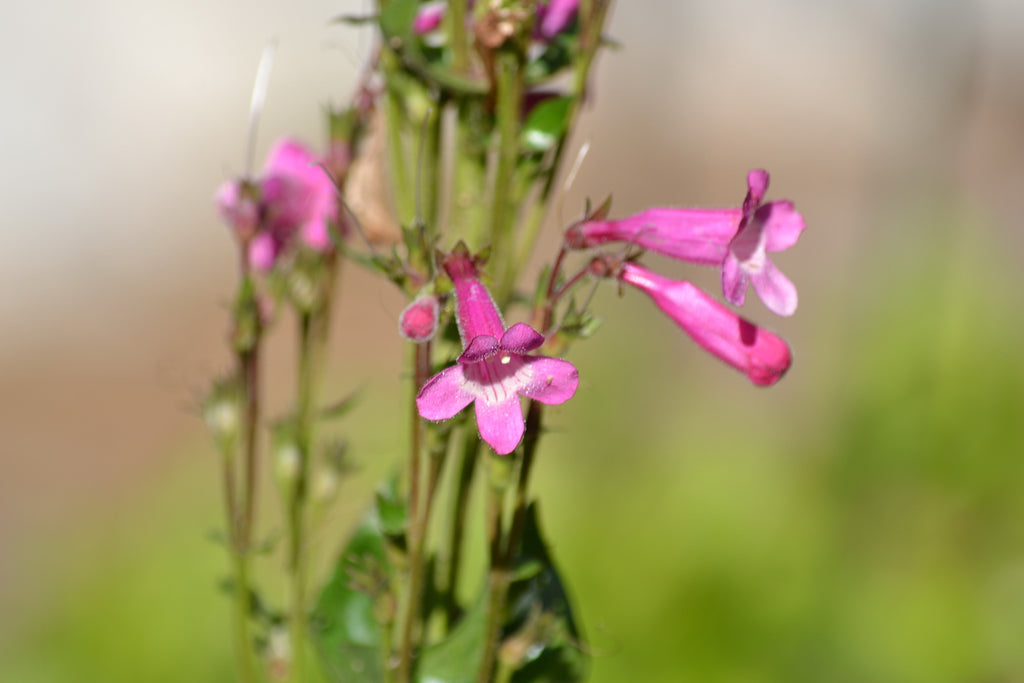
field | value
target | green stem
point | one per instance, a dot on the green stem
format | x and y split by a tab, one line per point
467	215
417	519
429	184
530	439
395	120
297	558
314	325
244	647
470	454
594	14
498	573
457	32
241	514
509	82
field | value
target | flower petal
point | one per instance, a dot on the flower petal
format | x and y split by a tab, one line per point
500	424
263	249
552	380
444	394
521	338
734	281
775	289
757	186
482	346
692	235
782	224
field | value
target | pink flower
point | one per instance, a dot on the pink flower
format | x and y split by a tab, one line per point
756	352
494	369
737	240
765	227
293	198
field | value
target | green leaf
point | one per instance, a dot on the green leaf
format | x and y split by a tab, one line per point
539	622
355	605
456	659
546	124
540	613
391	509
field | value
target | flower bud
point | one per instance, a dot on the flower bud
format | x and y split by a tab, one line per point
418	322
221	412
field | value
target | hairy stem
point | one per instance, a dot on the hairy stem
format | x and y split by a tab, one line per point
498	573
417	519
509	83
470	455
241	514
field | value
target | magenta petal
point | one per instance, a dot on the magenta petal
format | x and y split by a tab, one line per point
734	281
483	346
757	186
521	338
317	235
782	224
476	312
500	424
692	235
552	380
444	394
775	289
262	252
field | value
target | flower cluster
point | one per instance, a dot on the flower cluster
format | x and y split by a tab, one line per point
293	199
737	240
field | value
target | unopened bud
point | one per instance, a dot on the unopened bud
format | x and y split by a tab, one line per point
286	462
221	411
418	322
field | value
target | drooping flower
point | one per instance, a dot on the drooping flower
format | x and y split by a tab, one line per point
293	198
736	239
762	356
494	369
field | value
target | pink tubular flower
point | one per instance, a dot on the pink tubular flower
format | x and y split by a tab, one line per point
292	198
735	239
493	370
759	354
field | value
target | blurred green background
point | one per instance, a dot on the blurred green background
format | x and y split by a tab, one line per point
861	521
